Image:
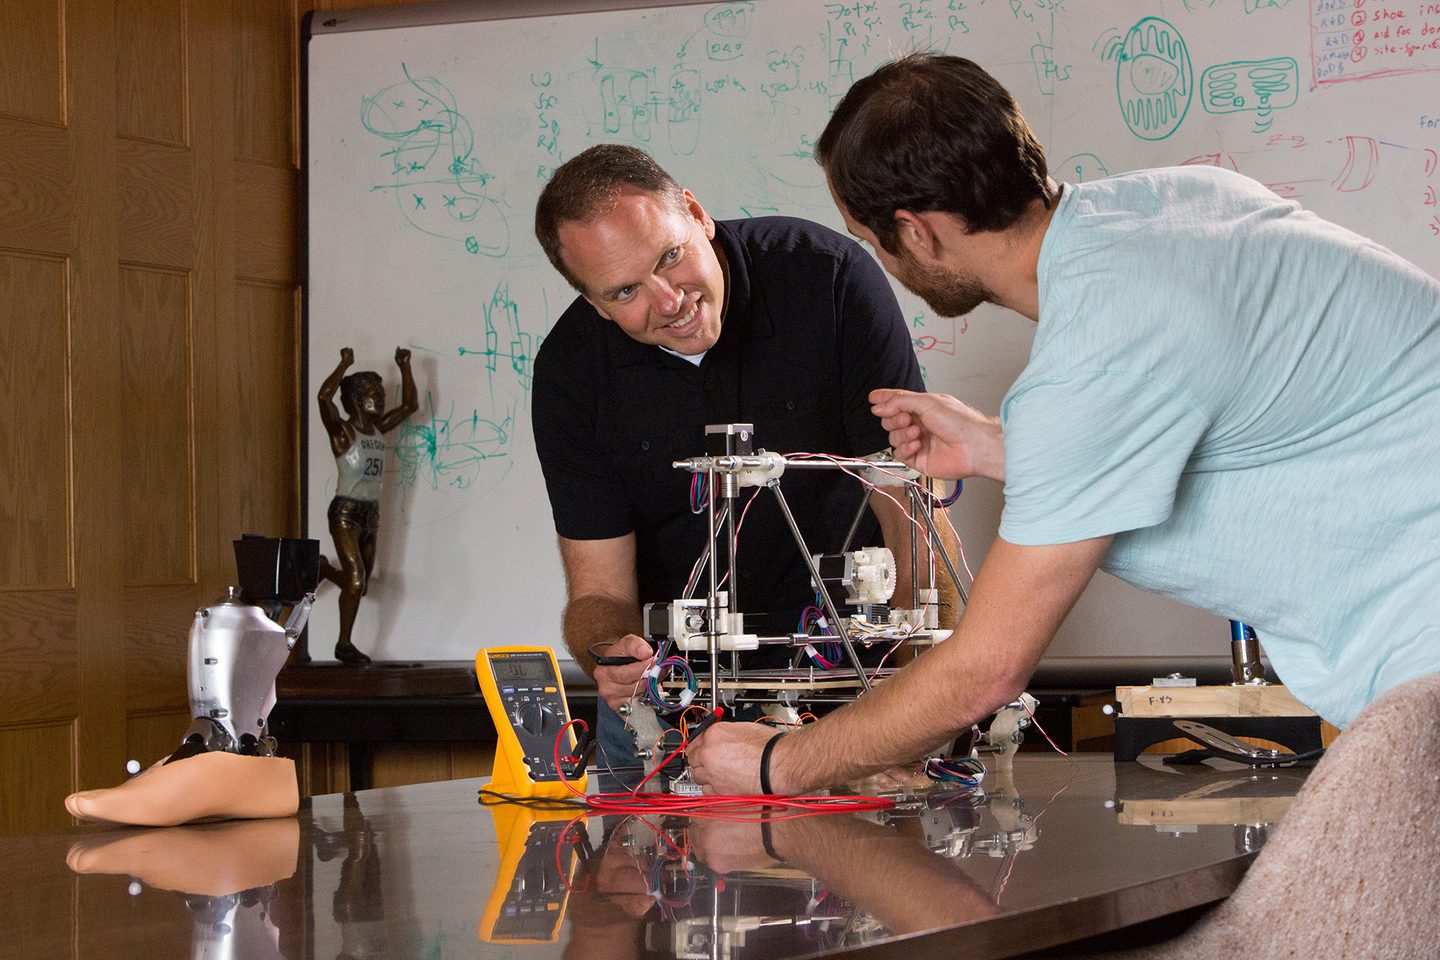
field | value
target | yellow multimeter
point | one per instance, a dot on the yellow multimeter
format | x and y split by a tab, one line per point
522	688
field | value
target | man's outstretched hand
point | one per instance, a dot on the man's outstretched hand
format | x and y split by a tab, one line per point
940	436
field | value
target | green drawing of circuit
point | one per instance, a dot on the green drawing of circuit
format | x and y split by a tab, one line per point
1259	86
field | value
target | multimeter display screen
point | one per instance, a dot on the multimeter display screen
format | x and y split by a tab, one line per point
520	669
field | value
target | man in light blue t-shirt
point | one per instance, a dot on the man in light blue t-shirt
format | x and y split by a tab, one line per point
1229	401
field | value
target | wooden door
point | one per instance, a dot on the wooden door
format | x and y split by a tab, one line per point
148	362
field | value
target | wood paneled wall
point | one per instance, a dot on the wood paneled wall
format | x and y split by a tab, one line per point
149	361
149	338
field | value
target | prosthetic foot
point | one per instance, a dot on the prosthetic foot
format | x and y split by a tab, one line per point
205	786
225	766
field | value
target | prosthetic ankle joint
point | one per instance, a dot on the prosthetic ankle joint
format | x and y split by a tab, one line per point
236	651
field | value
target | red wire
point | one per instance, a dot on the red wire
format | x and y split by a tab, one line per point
737	808
559	846
881	664
1042	729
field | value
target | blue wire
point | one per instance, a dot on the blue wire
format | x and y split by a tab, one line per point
658	697
966	771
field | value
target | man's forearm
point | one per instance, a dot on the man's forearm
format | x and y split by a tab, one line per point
927	703
590	620
1019	600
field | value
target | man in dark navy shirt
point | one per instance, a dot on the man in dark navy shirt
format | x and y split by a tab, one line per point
684	321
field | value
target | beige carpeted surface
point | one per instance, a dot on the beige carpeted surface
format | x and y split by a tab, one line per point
1353	871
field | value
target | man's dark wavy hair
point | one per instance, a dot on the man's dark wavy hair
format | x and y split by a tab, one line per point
931	132
587	186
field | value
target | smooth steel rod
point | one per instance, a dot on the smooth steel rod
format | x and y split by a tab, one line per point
712	608
830	610
939	546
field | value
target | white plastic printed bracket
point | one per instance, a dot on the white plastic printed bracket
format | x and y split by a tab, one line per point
874	578
887	472
740	641
771	468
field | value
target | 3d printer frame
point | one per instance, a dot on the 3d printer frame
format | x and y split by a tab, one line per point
714	624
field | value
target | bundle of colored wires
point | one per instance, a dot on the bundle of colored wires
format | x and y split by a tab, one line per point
947	501
869	633
812	617
813	623
657	695
966	771
821	659
699	492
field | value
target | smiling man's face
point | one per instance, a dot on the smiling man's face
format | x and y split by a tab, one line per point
649	265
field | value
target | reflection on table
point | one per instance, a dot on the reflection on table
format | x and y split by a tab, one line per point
1054	850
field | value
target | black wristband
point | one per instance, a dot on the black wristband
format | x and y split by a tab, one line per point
765	764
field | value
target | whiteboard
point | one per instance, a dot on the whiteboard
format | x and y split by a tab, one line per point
430	130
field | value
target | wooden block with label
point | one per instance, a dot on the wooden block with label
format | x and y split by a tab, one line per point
1266	716
1271	700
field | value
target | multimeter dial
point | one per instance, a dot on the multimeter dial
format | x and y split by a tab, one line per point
536	718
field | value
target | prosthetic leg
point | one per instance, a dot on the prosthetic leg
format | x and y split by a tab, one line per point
225	766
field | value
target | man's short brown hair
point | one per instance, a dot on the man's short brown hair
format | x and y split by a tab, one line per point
588	185
932	132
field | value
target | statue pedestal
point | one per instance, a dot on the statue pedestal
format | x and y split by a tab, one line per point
397	678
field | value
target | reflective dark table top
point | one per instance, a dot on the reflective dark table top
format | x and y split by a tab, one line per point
1049	852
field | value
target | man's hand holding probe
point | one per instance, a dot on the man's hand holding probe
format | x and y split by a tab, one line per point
725	759
602	617
617	681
